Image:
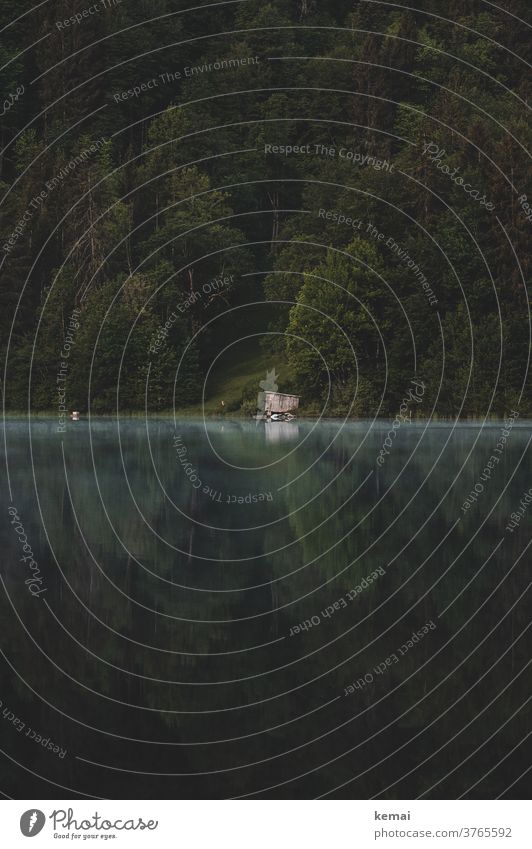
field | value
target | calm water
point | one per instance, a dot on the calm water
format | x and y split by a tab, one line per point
173	566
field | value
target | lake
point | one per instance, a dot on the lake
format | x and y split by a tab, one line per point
270	610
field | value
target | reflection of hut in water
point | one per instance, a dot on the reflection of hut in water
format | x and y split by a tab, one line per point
277	432
279	402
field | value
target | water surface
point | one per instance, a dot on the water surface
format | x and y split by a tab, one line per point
227	608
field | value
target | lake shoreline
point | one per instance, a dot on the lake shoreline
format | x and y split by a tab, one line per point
183	415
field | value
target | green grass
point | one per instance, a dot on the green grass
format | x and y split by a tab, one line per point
236	376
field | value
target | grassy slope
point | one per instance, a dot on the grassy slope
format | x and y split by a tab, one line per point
239	372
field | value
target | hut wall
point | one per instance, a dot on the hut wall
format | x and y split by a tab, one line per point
277	402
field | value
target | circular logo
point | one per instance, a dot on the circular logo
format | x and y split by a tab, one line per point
32	822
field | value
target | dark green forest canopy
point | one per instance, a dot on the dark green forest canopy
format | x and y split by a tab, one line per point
345	182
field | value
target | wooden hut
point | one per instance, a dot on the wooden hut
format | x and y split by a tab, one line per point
280	403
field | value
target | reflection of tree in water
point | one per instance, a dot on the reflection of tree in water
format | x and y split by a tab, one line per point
187	651
416	593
